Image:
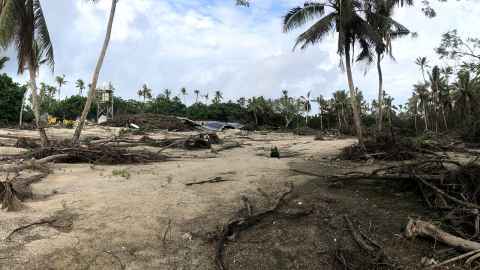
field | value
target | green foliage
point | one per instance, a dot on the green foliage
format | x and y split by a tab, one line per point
122	173
11	99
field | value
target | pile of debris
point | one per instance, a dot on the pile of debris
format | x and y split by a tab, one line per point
149	121
387	147
449	187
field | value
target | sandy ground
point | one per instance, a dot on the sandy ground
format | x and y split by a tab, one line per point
145	217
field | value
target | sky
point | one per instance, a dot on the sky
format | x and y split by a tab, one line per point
213	45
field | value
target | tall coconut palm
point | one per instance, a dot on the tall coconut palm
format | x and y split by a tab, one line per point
464	96
344	17
218	97
379	15
60	80
80	84
167	93
422	63
22	24
145	92
93	88
184	93
421	90
307	106
197	93
435	81
322	104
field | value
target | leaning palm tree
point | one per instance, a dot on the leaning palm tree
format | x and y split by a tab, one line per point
23	24
80	84
379	15
60	80
93	87
344	17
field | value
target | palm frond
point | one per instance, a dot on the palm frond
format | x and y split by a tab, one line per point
299	16
43	36
9	21
317	31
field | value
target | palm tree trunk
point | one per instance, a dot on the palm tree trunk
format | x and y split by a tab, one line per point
353	99
321	120
36	105
380	94
96	74
425	116
20	120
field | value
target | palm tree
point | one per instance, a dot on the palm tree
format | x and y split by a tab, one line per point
93	88
218	97
167	93
145	92
23	24
345	19
421	90
464	95
435	82
322	104
184	93
307	106
80	84
422	62
197	93
379	16
60	80
254	107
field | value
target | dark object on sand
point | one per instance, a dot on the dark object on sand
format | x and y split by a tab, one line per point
274	153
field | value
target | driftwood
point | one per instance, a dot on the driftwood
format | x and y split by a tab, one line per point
31	164
421	228
209	181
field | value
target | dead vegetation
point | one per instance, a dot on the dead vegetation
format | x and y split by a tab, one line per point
150	122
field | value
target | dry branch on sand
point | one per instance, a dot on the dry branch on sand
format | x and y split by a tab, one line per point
421	228
97	154
232	229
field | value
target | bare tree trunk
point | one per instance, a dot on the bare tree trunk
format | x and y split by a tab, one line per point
20	120
425	116
415	118
353	99
96	74
380	94
321	120
36	105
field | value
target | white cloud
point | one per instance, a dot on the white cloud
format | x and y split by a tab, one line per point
214	45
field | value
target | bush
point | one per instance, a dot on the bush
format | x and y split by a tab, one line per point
11	99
